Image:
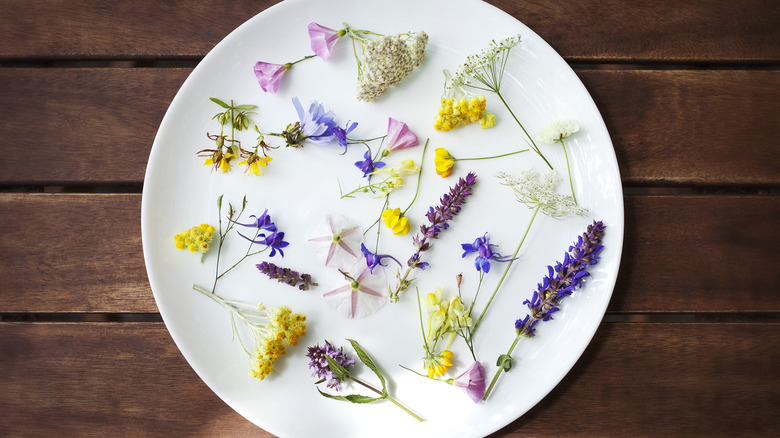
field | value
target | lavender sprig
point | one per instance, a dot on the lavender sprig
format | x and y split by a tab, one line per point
449	206
560	282
286	276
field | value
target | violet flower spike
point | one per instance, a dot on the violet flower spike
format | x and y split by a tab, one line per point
374	260
323	39
472	381
399	136
560	282
286	276
320	364
270	76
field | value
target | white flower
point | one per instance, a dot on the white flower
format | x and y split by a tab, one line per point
542	195
337	240
387	60
557	131
356	292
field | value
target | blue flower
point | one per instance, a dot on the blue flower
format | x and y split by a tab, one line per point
485	254
341	133
368	165
263	222
274	240
316	125
374	260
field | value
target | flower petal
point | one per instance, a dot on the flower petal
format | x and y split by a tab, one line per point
269	76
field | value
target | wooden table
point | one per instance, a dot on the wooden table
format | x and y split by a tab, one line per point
689	90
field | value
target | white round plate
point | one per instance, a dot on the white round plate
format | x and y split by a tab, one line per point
301	186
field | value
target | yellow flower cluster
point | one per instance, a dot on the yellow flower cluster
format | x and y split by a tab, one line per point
444	162
465	110
196	239
396	221
444	316
283	327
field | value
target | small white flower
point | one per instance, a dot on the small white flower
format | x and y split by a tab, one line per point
557	131
542	195
337	240
357	294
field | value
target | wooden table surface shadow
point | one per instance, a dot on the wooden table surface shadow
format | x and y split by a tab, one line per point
690	93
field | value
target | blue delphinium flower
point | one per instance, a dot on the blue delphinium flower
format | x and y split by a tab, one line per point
368	165
485	254
274	239
262	222
374	260
341	133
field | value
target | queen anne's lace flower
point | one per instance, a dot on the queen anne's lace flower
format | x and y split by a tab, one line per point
529	191
557	131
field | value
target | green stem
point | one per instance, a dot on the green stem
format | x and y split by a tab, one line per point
419	177
488	158
533	145
500	369
290	64
387	396
571	183
506	270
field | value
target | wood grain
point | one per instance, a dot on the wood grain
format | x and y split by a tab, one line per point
681	254
668	127
614	31
107	379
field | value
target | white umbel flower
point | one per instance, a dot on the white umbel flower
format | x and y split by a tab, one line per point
529	191
557	131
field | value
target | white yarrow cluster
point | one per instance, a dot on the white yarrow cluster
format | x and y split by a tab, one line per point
557	131
485	64
387	60
529	191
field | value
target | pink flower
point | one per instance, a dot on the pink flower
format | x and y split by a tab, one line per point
323	39
473	381
399	136
270	75
355	292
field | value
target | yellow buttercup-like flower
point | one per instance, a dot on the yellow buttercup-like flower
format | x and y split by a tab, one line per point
444	162
255	164
396	221
438	364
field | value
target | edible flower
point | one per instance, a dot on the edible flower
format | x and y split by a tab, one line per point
396	221
555	133
286	276
358	292
269	75
195	239
341	133
323	39
444	162
319	362
485	254
472	381
399	136
368	166
374	260
337	240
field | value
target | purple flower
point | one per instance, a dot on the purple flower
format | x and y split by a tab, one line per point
368	165
399	136
286	276
320	364
316	125
473	381
341	133
483	248
262	222
323	39
374	260
270	75
563	279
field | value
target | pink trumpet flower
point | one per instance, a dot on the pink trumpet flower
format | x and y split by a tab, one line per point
323	39
473	381
270	75
399	136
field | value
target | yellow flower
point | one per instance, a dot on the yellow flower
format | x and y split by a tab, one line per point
488	121
224	162
438	364
444	162
255	164
396	221
195	239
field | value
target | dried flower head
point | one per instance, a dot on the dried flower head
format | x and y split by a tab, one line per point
542	195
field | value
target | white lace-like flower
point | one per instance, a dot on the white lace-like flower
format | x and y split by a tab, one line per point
387	60
337	240
557	131
488	65
529	191
356	292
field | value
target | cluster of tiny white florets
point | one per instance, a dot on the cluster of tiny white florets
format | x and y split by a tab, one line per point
487	66
529	191
557	131
387	60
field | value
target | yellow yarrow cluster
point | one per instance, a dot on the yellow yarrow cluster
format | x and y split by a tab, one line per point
462	111
281	328
396	221
196	239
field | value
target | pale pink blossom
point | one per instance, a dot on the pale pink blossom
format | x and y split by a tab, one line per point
355	292
323	39
270	75
473	381
399	136
337	240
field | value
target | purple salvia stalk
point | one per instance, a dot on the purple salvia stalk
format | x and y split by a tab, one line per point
449	206
560	282
286	276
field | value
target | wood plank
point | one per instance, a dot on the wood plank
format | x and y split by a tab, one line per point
109	379
581	30
106	138
82	253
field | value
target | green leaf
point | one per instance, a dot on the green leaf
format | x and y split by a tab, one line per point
219	203
339	371
219	102
366	359
245	107
353	398
504	361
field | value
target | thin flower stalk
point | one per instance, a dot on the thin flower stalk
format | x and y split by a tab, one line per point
555	133
560	282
